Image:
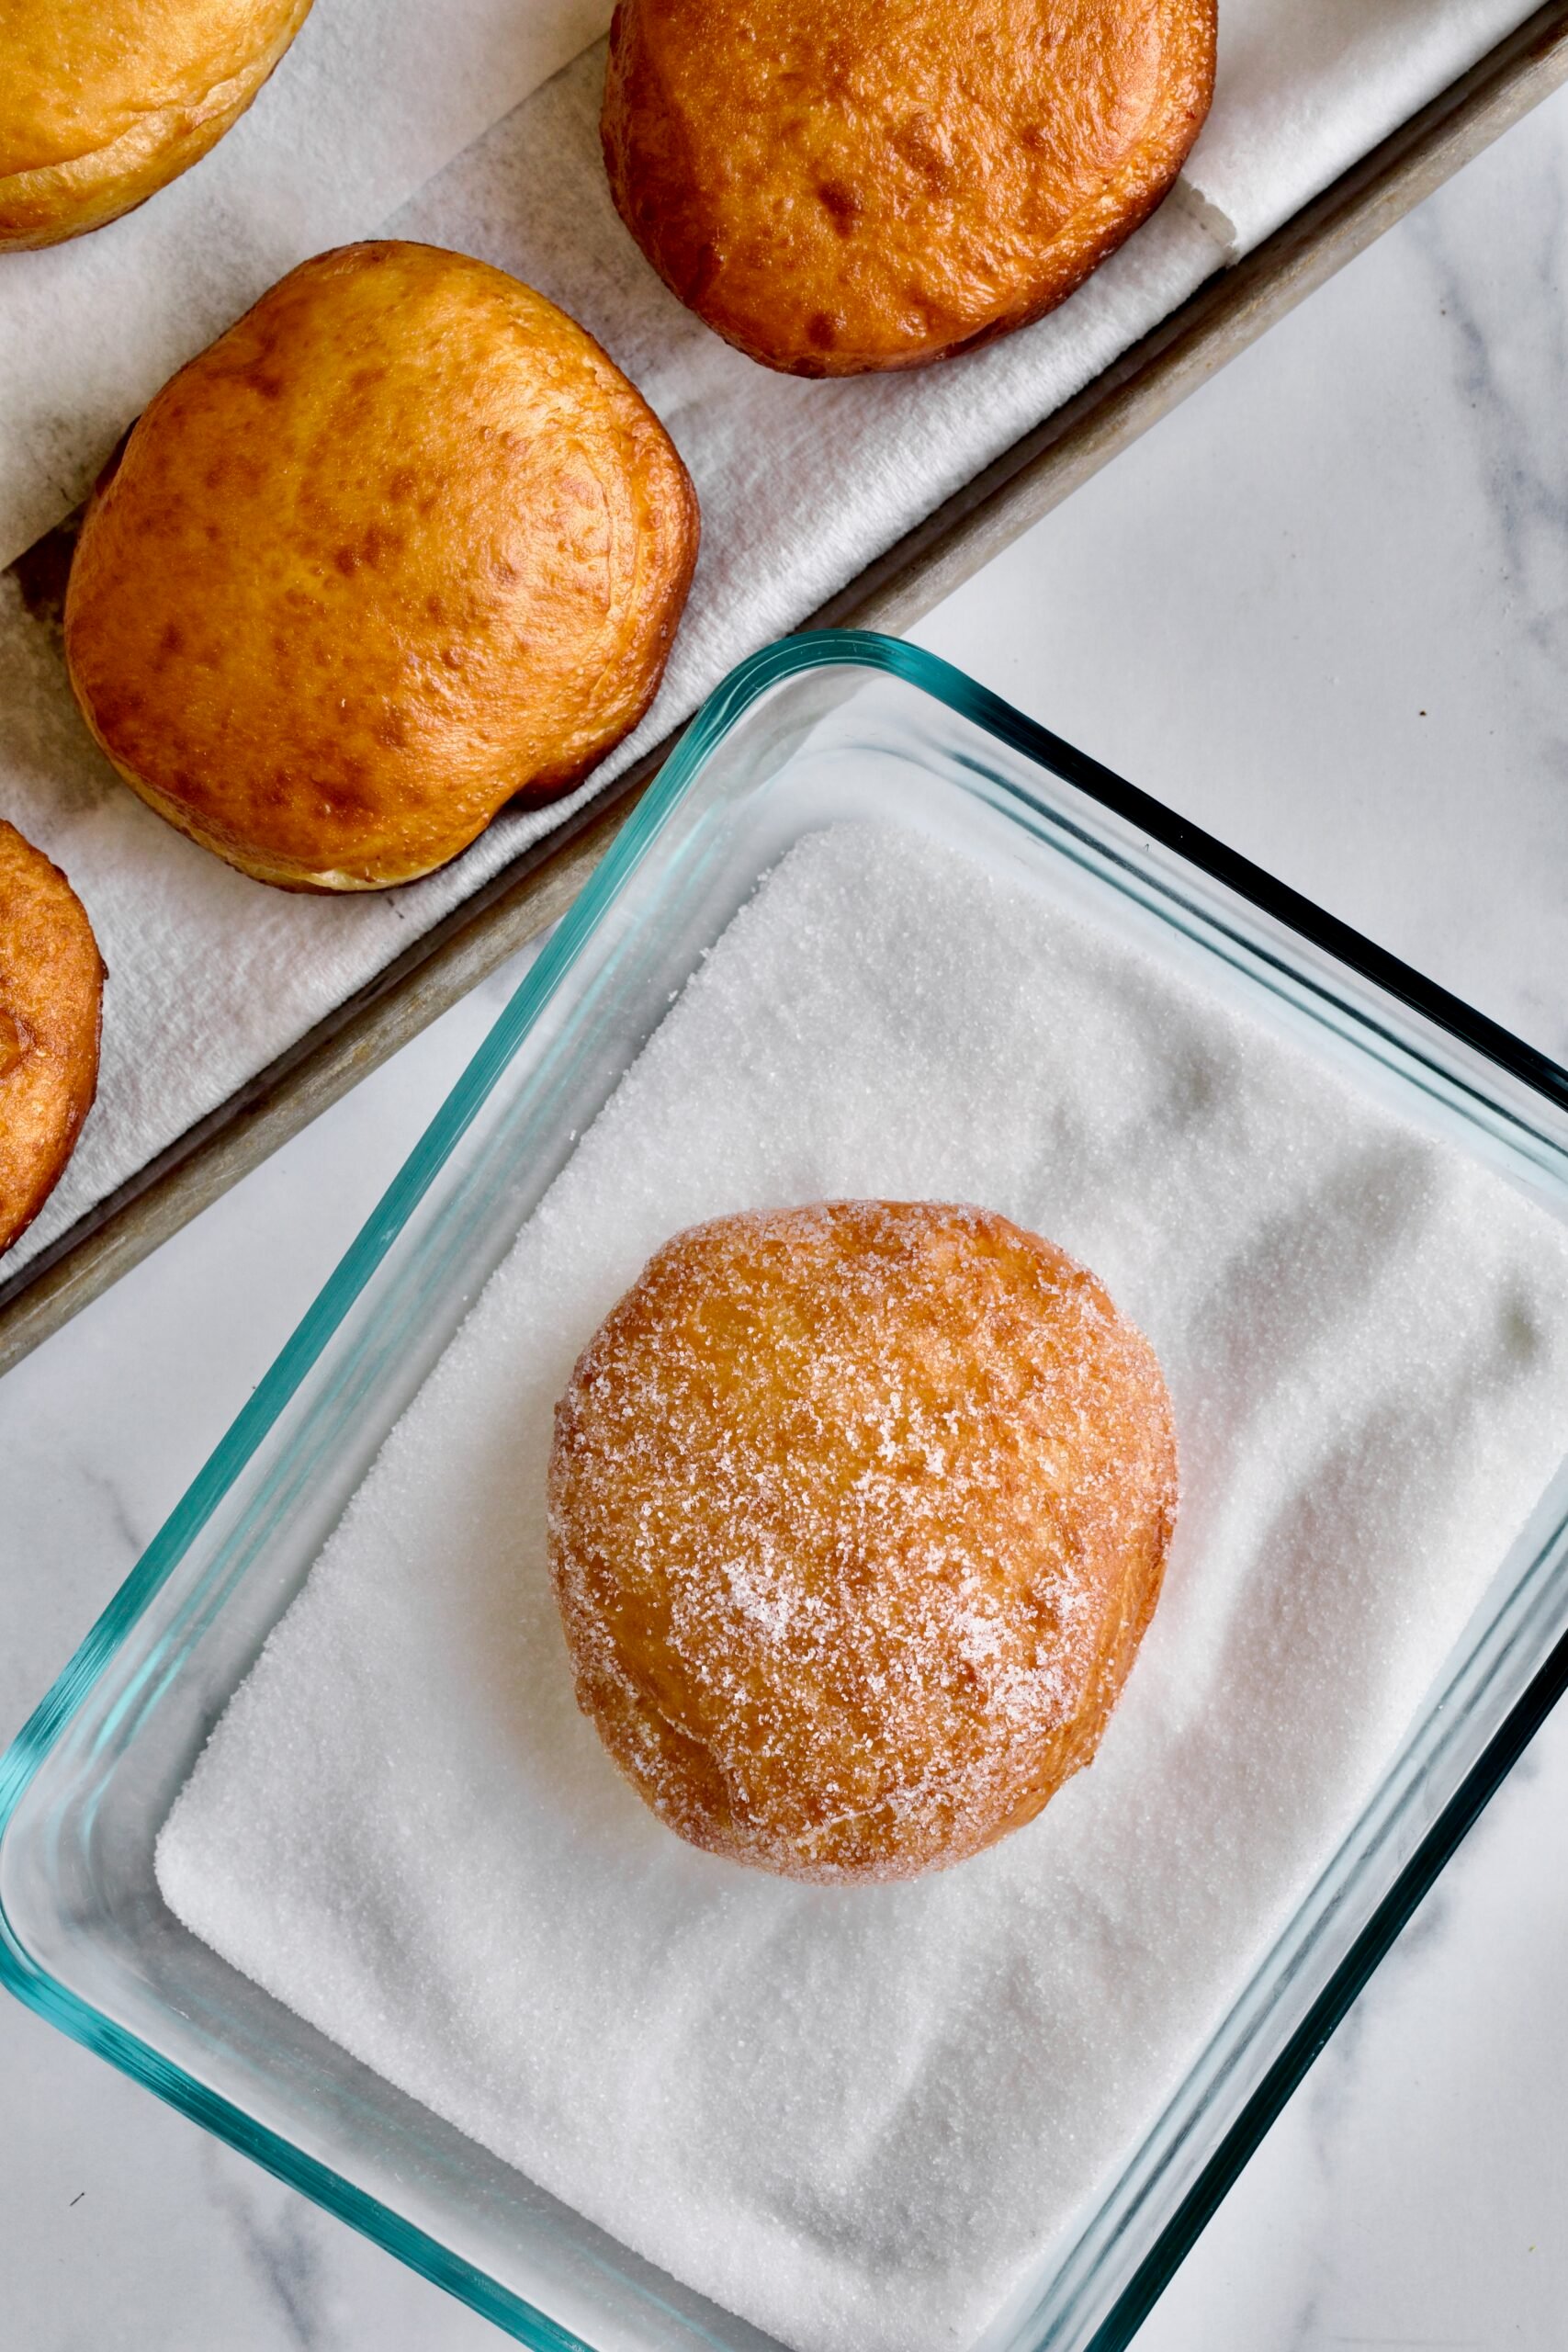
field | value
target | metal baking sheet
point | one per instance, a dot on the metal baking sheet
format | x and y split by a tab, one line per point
1041	469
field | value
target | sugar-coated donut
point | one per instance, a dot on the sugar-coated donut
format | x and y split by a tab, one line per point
842	184
403	544
102	102
858	1514
52	981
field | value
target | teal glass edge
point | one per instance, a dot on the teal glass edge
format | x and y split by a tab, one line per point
720	712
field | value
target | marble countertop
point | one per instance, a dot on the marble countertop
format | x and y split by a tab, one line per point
1322	609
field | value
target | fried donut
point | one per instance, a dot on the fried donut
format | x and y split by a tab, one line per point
402	544
103	102
52	982
858	1514
842	184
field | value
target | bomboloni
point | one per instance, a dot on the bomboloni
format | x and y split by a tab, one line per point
842	184
52	982
103	102
858	1514
401	545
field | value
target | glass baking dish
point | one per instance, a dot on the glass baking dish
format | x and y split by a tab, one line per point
806	731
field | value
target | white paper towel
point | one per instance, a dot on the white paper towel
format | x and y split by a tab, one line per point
212	977
376	95
1303	92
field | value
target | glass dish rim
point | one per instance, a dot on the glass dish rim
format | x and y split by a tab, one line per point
718	715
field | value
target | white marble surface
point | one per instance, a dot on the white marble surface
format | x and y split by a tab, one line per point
1324	609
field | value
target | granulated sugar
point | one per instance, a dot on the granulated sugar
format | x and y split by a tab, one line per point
858	2116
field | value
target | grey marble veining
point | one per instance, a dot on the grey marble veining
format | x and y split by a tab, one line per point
1324	609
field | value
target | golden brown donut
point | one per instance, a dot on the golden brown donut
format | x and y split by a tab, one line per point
842	184
103	102
402	544
52	979
858	1514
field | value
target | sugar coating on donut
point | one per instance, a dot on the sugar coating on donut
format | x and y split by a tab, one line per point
858	1514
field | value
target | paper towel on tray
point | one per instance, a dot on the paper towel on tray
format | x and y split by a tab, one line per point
376	95
1304	91
212	976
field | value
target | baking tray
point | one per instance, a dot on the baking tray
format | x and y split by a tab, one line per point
1041	469
804	733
